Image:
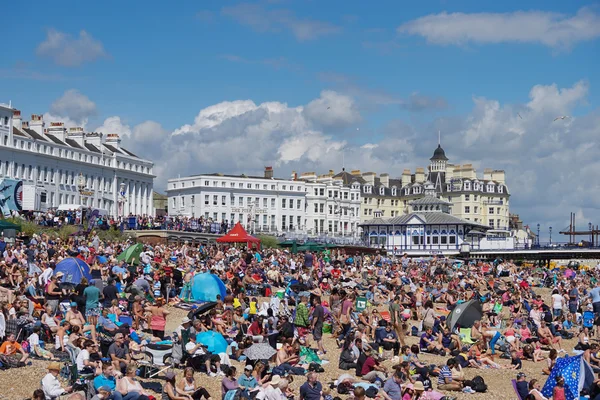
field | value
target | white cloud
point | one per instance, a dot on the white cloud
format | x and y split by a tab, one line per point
547	28
114	125
332	110
262	19
75	105
69	51
551	167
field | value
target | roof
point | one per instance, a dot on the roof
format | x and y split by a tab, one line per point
111	148
129	153
238	234
430	218
55	139
73	143
439	154
244	176
17	132
91	147
429	200
348	178
34	134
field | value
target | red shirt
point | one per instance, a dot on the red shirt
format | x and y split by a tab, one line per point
368	365
255	329
336	273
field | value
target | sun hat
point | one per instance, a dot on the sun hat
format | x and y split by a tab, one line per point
54	366
186	320
275	380
418	385
248	368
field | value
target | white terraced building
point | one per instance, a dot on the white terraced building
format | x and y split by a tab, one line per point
51	159
259	203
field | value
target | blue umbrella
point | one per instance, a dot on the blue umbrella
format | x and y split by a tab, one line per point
73	270
215	342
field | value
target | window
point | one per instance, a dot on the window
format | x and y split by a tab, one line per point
215	200
215	184
316	208
283	203
272	187
249	201
223	185
491	210
467	197
223	201
206	183
467	185
240	185
393	191
467	209
475	209
206	199
452	239
232	184
500	189
330	210
299	204
283	218
265	202
272	203
248	185
182	201
345	195
491	223
329	193
435	240
490	188
335	194
291	203
193	199
498	223
240	201
321	208
43	197
322	192
443	239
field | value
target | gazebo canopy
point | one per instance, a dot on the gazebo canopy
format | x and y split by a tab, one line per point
238	235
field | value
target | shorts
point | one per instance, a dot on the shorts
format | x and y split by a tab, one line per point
92	312
318	332
596	306
572	307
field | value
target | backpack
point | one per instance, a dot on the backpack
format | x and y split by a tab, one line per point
478	384
344	388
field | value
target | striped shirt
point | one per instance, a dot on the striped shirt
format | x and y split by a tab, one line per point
445	375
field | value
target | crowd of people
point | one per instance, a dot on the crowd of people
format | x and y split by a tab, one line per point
383	314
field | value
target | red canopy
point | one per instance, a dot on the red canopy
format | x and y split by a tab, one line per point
238	235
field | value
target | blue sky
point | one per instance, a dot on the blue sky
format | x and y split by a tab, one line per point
405	69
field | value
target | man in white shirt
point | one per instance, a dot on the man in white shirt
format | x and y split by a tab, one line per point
201	356
271	391
51	385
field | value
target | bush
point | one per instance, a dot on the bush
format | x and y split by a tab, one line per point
28	228
268	242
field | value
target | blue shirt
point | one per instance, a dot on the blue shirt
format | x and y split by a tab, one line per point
247	382
310	392
392	389
595	294
102	380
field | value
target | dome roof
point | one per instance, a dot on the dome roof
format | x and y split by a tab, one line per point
439	154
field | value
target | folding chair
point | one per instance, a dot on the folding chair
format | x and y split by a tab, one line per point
155	358
514	385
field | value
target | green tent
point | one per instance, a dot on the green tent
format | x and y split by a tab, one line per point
287	243
311	246
131	255
9	225
294	247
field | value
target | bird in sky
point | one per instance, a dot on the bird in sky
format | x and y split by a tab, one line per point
328	108
561	117
519	115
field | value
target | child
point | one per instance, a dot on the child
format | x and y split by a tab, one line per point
327	393
515	360
252	311
558	393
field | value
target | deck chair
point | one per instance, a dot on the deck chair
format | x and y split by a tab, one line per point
514	385
156	358
465	336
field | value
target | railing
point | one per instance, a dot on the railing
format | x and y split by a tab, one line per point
493	202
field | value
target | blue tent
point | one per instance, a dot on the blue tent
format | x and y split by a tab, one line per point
214	341
578	375
74	270
206	287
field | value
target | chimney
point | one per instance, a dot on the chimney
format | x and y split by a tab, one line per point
331	172
406	177
269	172
498	176
487	174
17	121
369	177
309	176
420	175
37	124
94	138
114	140
77	135
385	180
356	172
294	176
58	130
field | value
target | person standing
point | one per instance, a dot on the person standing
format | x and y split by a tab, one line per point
318	316
91	295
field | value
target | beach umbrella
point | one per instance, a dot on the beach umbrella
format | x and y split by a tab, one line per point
260	351
73	270
214	341
464	315
131	255
203	308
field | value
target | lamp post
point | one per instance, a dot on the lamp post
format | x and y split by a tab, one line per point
591	234
538	235
122	199
550	229
81	187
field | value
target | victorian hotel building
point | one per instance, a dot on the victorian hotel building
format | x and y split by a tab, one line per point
302	205
63	166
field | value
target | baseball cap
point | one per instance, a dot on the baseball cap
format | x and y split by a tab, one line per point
521	375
